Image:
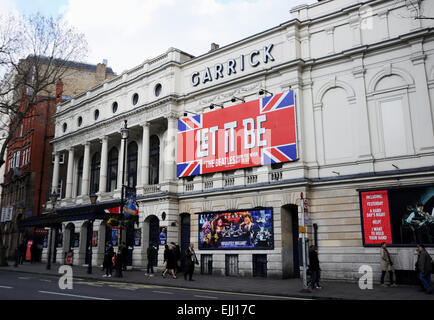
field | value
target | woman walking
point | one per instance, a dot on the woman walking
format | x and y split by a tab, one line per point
170	258
386	265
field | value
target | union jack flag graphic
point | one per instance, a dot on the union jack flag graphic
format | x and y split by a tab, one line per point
277	102
189	169
190	123
279	154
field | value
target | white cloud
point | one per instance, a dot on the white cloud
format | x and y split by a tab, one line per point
130	31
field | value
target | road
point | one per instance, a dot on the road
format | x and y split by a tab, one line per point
25	286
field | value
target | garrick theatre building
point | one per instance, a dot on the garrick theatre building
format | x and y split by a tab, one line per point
336	103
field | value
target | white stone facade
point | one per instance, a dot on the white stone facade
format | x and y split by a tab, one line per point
363	75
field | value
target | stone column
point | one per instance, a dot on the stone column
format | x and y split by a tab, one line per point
69	177
86	170
169	154
103	171
144	171
55	181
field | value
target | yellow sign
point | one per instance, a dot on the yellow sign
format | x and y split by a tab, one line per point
302	229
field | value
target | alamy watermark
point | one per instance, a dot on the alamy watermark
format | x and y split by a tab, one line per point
65	281
366	280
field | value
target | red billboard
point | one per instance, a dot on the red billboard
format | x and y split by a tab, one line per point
250	134
376	217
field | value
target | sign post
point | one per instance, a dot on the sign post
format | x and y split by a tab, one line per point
303	205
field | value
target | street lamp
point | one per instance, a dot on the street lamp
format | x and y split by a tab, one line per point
92	198
53	198
124	135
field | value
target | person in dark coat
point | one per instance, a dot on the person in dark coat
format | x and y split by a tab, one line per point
170	261
424	267
151	253
108	262
119	263
314	267
177	252
124	256
190	262
22	249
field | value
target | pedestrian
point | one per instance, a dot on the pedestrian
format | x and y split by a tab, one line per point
124	256
177	252
108	262
170	261
22	248
119	263
151	253
314	268
33	252
386	265
190	262
424	267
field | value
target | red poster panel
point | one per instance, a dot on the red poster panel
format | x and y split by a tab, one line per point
376	217
253	133
28	251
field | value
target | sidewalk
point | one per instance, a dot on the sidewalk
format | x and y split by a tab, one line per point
261	286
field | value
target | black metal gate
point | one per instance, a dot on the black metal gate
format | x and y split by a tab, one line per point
206	264
231	265
260	265
154	236
185	236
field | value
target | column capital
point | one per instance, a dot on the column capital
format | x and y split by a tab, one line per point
172	116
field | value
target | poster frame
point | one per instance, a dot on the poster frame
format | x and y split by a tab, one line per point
233	211
389	188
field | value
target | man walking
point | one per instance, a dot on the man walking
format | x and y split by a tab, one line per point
424	266
151	253
190	261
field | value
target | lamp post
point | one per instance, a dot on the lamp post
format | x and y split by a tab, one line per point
124	135
93	198
53	198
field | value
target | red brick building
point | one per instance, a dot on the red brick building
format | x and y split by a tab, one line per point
28	168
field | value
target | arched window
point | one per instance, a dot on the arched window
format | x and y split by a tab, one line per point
132	164
154	159
79	176
112	169
94	173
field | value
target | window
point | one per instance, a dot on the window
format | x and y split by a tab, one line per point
64	127
132	164
79	176
61	158
95	172
96	114
135	99
114	107
79	121
154	159
112	169
157	89
17	159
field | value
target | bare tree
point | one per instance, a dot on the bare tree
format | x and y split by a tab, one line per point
35	52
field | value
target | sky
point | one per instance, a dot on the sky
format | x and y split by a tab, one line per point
126	33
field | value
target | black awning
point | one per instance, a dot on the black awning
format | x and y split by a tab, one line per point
81	212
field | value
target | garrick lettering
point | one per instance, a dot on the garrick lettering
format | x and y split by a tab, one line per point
221	70
194	310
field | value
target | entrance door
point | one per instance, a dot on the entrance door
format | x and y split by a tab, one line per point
130	244
88	243
185	235
154	235
295	241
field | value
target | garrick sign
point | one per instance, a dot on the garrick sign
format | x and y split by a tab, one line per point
220	70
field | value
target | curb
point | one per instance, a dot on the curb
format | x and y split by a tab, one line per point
174	285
